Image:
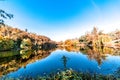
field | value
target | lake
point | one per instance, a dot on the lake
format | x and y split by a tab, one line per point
40	63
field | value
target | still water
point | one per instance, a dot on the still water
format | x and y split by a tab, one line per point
54	61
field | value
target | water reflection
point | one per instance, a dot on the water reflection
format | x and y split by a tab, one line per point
13	61
64	60
97	53
25	54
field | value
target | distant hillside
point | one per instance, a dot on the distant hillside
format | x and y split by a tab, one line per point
14	38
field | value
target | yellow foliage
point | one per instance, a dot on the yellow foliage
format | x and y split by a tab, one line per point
25	54
68	42
26	43
104	38
1	37
107	50
101	40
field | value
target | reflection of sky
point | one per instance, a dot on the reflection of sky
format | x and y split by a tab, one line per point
61	19
76	61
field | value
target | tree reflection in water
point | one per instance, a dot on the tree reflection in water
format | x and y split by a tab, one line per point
97	53
65	60
12	61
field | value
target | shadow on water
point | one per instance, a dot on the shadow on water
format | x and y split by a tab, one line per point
13	61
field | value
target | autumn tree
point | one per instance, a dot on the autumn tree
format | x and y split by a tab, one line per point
95	31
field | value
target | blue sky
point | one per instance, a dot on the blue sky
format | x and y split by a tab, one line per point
63	19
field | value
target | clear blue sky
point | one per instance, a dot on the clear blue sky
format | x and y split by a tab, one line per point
62	19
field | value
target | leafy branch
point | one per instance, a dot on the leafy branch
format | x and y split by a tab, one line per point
4	15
